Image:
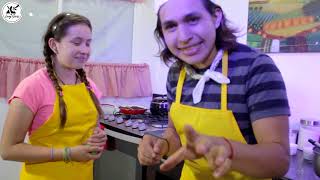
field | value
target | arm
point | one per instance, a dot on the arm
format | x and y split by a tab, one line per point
171	135
13	148
270	157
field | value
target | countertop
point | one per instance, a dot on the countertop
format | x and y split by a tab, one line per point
300	169
129	134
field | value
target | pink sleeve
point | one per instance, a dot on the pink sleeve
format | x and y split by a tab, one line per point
95	89
27	92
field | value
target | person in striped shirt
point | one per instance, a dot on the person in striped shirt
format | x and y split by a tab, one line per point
229	109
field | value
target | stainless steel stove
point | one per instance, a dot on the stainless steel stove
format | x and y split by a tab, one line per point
157	121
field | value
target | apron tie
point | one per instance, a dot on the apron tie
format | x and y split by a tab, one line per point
209	74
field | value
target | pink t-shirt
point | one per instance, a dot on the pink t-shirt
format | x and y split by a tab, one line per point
38	94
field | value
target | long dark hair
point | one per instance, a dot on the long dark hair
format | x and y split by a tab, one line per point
57	29
225	37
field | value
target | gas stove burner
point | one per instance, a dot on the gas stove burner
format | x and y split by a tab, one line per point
159	124
146	117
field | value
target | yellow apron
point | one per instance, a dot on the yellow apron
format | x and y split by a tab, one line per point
81	120
213	122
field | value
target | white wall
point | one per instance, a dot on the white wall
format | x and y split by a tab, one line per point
8	170
300	70
145	48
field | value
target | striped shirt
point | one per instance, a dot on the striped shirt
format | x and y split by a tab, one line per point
256	89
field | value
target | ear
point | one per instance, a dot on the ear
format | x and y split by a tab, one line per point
53	45
218	13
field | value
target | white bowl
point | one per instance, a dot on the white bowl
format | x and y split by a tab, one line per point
293	149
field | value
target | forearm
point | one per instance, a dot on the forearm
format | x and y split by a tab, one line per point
173	139
23	152
260	160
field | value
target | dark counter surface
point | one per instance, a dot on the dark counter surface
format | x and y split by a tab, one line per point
300	169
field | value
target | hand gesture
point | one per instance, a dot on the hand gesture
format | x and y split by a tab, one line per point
151	149
84	153
98	138
216	150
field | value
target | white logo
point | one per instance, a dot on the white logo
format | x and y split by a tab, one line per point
11	12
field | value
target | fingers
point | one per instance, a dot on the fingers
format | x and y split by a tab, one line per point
94	149
223	169
101	144
160	147
98	136
199	143
218	160
174	159
191	135
146	154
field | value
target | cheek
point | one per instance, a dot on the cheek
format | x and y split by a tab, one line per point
170	41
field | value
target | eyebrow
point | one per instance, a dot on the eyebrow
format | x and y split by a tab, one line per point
186	17
80	38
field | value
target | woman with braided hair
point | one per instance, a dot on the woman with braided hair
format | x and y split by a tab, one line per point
58	107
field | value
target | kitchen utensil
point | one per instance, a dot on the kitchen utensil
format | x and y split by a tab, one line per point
308	153
293	149
309	129
159	106
315	143
316	160
108	108
132	110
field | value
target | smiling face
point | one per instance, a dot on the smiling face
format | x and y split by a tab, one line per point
73	50
189	31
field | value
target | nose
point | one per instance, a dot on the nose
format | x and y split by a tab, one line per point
84	49
184	34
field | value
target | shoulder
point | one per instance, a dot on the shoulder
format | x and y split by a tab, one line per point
174	72
37	80
245	54
33	89
250	61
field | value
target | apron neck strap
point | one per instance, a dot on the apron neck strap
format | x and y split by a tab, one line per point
182	77
224	91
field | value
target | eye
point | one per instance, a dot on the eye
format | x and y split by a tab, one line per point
170	26
193	20
88	43
76	43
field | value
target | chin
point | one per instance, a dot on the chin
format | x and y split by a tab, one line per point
192	61
78	66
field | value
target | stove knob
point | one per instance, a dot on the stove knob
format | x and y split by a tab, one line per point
135	125
111	117
142	127
119	119
128	123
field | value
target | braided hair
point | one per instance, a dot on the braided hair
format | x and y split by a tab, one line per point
57	29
